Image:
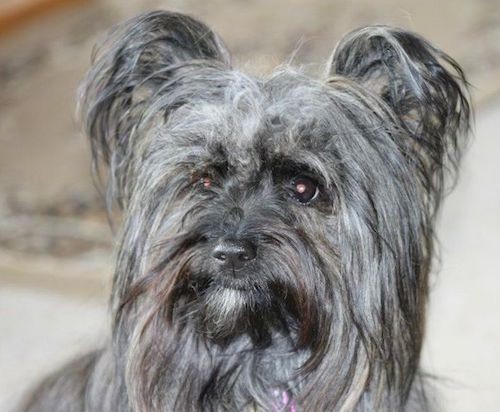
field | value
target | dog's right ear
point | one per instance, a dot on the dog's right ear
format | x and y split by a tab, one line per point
135	59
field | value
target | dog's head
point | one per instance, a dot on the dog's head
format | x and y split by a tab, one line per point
284	206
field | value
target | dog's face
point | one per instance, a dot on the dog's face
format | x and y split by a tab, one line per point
278	207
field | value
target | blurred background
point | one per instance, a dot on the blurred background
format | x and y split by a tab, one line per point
55	244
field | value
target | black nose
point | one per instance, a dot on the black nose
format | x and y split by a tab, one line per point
234	253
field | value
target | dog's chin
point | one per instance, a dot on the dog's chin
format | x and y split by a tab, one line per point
224	308
228	306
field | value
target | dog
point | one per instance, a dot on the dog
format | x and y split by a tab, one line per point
277	233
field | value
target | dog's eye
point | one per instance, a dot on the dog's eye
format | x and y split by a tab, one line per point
304	189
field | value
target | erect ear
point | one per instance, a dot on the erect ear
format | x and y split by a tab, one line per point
134	60
423	87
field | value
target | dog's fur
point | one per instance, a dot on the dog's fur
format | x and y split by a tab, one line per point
331	311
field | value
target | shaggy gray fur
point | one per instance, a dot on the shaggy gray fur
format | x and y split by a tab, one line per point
332	309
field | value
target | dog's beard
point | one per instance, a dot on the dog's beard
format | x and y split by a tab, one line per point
225	312
283	291
225	306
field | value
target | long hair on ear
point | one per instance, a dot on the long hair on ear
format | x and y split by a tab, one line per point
424	88
135	59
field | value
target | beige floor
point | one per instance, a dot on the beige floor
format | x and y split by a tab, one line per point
40	330
463	343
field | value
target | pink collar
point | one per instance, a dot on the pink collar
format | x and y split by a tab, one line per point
285	403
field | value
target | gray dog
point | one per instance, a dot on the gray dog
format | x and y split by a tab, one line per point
277	233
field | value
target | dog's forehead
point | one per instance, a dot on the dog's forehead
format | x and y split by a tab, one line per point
248	123
272	121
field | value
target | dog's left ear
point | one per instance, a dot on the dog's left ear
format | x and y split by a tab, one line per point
424	88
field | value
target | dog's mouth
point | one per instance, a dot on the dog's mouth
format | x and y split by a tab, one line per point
206	286
242	284
209	280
